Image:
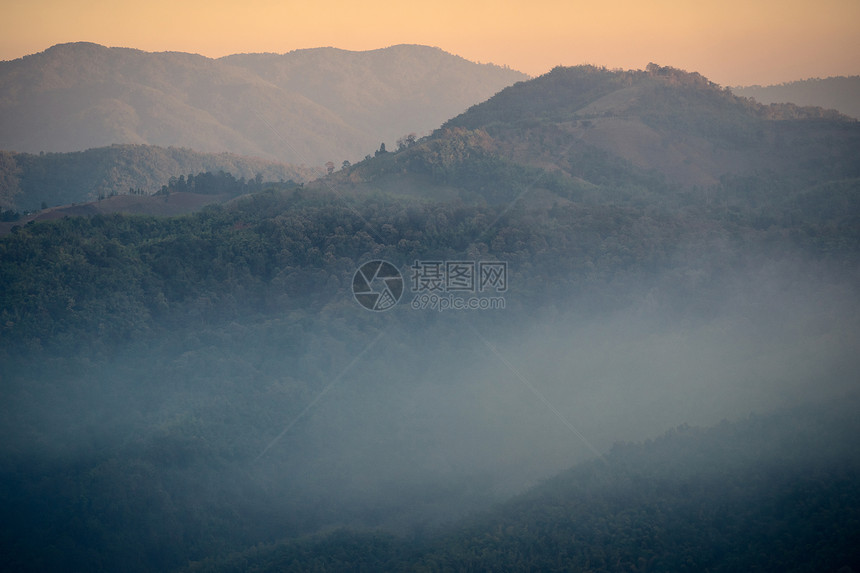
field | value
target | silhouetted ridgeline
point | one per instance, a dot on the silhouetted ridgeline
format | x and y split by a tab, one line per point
303	107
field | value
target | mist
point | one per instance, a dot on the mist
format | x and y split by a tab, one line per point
451	410
445	416
280	425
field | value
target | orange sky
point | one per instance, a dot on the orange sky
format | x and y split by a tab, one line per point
731	42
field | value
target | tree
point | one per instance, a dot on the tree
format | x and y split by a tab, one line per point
329	167
406	141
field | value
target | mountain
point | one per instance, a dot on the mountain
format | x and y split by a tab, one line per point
588	258
303	107
637	136
839	93
385	93
29	181
661	121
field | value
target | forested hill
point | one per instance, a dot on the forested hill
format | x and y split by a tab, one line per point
660	137
663	121
768	493
29	182
304	107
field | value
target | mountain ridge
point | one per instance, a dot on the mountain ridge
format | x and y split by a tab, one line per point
841	93
659	128
585	127
676	122
81	95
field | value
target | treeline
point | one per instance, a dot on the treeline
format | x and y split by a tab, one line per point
220	183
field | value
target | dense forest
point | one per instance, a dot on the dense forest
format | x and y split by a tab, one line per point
204	392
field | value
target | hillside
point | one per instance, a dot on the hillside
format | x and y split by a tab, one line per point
28	181
386	93
661	121
640	138
755	494
839	93
305	107
180	196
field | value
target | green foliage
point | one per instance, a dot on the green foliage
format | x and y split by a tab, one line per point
9	179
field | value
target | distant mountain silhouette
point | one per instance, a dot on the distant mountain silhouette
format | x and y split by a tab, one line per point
839	93
303	107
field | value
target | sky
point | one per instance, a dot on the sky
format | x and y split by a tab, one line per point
732	42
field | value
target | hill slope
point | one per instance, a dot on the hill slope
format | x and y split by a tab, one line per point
309	106
384	93
663	121
839	93
660	138
27	180
758	494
